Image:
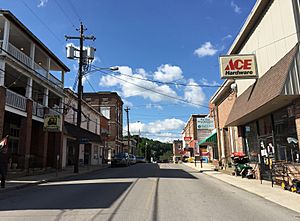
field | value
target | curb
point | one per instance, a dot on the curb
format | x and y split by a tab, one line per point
22	186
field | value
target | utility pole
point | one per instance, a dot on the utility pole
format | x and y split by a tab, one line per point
81	38
128	133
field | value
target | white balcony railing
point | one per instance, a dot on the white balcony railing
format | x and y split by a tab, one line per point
15	100
54	111
40	110
25	59
40	70
37	109
56	81
19	55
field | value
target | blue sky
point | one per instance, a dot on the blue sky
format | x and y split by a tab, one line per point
160	45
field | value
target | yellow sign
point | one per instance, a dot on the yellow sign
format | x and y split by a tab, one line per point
53	123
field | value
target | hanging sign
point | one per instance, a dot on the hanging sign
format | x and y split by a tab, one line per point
52	123
238	66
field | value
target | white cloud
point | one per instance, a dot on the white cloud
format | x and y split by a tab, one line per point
204	81
42	3
167	73
85	78
126	103
163	130
150	106
195	94
235	7
227	37
206	49
134	86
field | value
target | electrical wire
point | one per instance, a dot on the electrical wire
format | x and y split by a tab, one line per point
168	83
74	10
41	21
65	14
154	91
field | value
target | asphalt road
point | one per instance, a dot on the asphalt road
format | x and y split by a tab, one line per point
140	192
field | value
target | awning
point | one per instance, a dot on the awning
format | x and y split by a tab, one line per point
210	139
72	130
277	88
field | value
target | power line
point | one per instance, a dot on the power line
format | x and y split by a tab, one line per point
41	21
74	10
154	91
169	83
64	12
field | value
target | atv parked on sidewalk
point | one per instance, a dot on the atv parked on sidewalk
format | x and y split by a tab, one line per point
241	166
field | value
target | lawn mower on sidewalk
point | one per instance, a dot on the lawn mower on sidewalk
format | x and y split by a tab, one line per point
241	165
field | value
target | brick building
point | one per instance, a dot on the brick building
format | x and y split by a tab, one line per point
110	105
266	110
227	137
177	150
31	85
94	128
193	134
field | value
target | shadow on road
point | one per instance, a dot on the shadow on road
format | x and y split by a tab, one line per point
67	196
151	170
90	191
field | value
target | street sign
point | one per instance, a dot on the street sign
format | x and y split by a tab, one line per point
205	123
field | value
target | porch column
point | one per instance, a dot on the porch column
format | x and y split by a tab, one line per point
48	67
25	134
2	109
62	77
2	72
46	97
45	144
6	35
29	88
32	54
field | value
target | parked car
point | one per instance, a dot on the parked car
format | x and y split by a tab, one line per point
132	159
120	159
140	159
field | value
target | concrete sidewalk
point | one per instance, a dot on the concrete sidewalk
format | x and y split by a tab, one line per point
276	194
25	181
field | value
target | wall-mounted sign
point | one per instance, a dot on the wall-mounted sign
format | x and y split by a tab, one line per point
52	123
205	123
238	66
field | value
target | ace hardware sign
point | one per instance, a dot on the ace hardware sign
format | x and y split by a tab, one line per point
238	66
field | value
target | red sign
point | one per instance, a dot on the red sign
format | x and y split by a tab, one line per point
187	138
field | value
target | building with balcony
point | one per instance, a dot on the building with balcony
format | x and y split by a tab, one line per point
110	105
92	133
31	85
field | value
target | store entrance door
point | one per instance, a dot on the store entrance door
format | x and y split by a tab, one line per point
87	154
266	156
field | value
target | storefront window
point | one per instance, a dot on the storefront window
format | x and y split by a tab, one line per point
251	143
285	129
265	126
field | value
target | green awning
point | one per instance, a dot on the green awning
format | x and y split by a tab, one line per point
210	139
